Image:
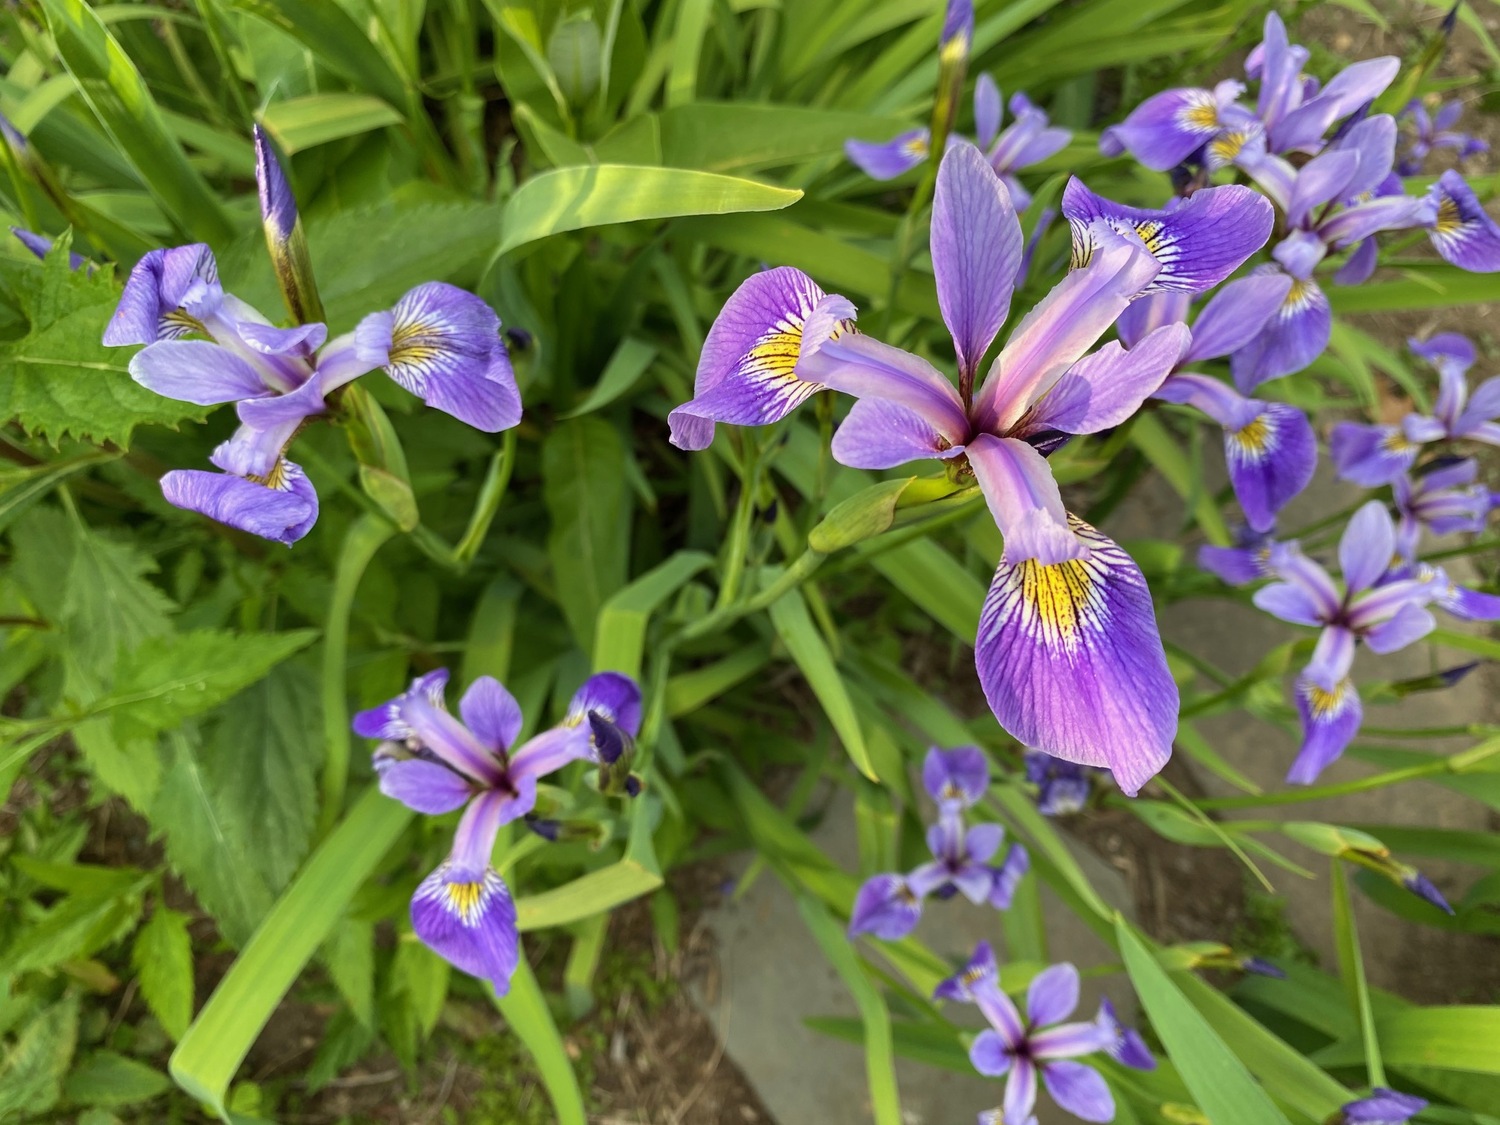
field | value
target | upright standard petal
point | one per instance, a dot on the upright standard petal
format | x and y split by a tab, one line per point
1008	876
1330	720
440	343
1071	661
987	111
1294	336
282	507
885	160
1053	995
1104	389
1367	546
976	252
749	373
1199	243
491	712
1463	232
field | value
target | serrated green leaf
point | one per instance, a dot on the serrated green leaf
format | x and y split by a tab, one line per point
168	678
584	485
163	960
76	927
58	380
32	1071
105	1079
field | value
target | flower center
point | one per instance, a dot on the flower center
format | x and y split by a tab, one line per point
1448	218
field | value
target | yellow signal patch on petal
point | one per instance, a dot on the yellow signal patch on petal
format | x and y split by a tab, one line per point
1253	439
1325	704
464	900
1449	221
1203	115
1060	600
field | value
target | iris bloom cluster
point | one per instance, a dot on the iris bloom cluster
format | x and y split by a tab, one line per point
1068	651
1038	1048
434	763
1029	139
1061	787
890	906
206	346
1335	190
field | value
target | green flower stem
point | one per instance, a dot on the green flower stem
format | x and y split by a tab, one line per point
796	574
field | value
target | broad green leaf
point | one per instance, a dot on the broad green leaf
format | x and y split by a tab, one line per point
217	1042
880	1068
588	498
621	636
1445	1038
173	676
687	49
1219	1082
794	625
620	374
261	754
207	840
32	1071
106	1079
58	380
316	119
122	103
598	195
330	34
163	960
736	136
1434	285
637	873
525	1010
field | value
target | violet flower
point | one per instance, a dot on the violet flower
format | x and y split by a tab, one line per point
1461	231
1068	652
1384	1106
890	906
1028	140
1037	1046
1126	1046
1375	455
1062	787
1444	501
1269	447
1385	613
435	763
1423	133
1249	560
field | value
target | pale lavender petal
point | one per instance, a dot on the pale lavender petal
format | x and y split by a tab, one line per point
1199	243
1079	1089
981	843
284	510
864	367
491	712
389	720
1060	329
1146	314
1370	455
1104	389
1214	398
885	908
424	787
976	251
1166	128
1445	351
1020	1093
1463	232
987	112
989	1054
1410	624
1271	460
1235	314
469	919
1236	566
1053	995
1289	603
960	775
1072	664
1294	336
1023	497
1330	720
1039	146
1321	180
1008	876
195	371
1290	564
880	434
1299	253
1374	139
1484	405
889	159
1384	1106
1360	265
1125	1044
1470	605
550	751
1068	1040
1389	212
1367	546
166	294
1358	83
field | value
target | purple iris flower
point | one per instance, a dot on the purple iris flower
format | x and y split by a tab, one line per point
1376	455
1126	1046
1383	1107
1036	1046
1270	447
1386	612
1444	501
1068	651
1028	140
435	763
1062	787
1423	133
1168	128
890	906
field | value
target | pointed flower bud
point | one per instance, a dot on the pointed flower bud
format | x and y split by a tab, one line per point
284	235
